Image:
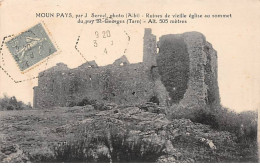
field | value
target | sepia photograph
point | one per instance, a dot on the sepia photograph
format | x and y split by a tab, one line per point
129	81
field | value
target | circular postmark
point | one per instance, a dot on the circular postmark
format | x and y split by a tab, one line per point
28	50
102	44
31	47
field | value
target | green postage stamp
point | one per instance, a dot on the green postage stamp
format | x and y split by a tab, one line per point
31	46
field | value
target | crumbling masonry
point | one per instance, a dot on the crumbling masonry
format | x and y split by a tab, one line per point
183	71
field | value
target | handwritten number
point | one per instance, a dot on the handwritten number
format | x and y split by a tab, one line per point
108	33
104	34
97	35
95	43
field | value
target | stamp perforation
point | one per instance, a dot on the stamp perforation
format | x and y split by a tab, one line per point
32	78
3	63
43	60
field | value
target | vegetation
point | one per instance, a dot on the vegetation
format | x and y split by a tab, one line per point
11	103
59	135
115	146
243	125
98	105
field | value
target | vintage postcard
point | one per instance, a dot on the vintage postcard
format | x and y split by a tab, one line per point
139	81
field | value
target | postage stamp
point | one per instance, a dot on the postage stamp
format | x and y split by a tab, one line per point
31	47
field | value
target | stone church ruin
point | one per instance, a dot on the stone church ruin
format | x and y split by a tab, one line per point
178	69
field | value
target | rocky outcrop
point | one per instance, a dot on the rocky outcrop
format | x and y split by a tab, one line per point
11	153
145	129
181	139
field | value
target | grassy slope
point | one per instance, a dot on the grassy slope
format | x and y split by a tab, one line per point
36	128
33	130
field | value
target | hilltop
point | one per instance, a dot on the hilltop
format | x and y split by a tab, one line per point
117	134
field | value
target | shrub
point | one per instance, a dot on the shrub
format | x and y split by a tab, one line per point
114	146
11	103
98	105
71	104
206	117
202	115
243	124
135	151
84	101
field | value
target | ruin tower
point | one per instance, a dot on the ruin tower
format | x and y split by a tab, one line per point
187	64
183	73
149	48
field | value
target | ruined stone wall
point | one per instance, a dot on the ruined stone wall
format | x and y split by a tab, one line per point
184	73
202	87
211	75
196	93
46	93
188	68
128	84
173	64
35	96
149	48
